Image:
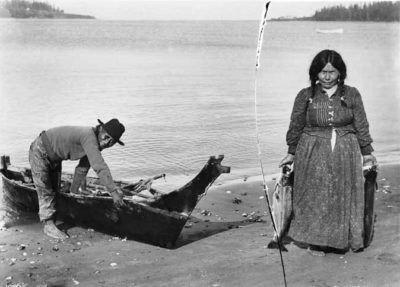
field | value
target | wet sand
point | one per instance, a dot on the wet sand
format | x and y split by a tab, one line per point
224	244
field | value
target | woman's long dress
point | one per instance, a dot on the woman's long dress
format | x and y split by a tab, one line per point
328	136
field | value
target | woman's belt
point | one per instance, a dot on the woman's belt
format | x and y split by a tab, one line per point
326	132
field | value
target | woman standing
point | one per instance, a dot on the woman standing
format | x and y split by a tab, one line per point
329	142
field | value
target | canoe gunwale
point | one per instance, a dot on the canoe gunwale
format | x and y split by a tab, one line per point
90	197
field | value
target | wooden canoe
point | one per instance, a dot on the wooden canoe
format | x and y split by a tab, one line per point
158	219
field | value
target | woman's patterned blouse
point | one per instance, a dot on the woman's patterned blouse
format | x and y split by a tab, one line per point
318	115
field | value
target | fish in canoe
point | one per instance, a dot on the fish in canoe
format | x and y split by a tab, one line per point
282	207
148	215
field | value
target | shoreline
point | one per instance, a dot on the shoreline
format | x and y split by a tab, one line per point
269	178
220	247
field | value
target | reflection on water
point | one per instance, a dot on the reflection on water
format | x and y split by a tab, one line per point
184	90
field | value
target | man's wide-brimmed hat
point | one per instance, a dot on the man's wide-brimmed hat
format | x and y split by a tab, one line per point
114	128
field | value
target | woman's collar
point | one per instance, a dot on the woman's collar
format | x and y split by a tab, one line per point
330	91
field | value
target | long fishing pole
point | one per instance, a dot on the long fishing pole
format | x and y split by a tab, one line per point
265	187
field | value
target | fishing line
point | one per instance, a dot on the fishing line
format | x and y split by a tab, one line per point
265	187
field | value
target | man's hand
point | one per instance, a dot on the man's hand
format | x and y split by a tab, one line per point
288	159
117	197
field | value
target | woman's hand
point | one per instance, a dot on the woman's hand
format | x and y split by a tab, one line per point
288	159
369	160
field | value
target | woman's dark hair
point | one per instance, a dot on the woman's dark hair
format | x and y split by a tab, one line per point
319	62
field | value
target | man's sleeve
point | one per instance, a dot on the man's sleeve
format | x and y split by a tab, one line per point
81	171
96	161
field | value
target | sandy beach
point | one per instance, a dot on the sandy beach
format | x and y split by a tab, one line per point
223	244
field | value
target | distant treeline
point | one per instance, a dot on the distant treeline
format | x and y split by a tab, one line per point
26	9
385	11
378	11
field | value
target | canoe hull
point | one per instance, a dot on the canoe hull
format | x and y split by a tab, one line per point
17	198
134	220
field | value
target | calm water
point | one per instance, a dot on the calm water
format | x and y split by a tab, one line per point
184	90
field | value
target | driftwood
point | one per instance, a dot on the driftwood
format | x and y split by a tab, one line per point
156	219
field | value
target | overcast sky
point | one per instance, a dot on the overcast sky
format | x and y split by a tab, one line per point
191	9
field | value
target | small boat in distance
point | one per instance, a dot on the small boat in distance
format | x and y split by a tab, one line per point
330	31
148	215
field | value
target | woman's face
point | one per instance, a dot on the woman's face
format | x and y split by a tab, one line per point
328	77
